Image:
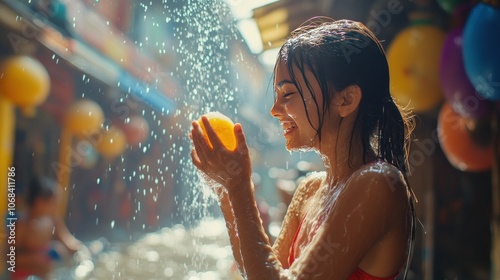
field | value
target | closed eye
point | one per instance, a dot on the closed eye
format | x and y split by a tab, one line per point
289	94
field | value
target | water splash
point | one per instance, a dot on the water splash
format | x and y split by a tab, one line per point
202	33
200	39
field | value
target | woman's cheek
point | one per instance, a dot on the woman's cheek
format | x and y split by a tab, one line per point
294	109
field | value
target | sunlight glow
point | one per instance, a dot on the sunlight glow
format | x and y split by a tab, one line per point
250	32
242	12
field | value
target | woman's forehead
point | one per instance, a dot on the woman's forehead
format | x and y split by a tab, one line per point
282	75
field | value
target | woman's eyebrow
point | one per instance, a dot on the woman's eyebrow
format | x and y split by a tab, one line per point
283	82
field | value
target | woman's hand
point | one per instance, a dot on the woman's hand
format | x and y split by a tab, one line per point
227	172
225	167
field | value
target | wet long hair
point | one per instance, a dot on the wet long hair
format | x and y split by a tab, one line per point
346	53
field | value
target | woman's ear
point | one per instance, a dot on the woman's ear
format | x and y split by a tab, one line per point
347	100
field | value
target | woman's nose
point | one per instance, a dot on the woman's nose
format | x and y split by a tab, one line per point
276	109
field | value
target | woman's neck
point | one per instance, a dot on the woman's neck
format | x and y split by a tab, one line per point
345	158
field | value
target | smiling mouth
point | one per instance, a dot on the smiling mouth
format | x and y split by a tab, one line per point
288	127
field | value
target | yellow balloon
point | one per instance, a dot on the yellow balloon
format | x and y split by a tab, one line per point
414	58
224	128
24	81
84	118
111	142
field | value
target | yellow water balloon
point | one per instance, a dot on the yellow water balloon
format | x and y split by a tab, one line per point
112	142
84	118
24	81
223	126
413	59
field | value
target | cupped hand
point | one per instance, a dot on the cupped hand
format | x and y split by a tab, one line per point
225	167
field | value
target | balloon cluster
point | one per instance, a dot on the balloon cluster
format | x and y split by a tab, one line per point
470	79
463	66
85	120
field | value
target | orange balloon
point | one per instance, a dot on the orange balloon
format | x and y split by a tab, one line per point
413	59
112	142
136	129
84	118
458	145
24	81
224	128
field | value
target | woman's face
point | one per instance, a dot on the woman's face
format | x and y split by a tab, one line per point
289	108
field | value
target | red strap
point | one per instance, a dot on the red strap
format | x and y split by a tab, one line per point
291	255
359	274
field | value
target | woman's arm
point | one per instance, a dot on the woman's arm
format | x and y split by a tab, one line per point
259	260
227	212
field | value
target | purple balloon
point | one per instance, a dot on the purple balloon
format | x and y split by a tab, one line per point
457	89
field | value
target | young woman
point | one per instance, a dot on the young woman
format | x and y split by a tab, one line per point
355	220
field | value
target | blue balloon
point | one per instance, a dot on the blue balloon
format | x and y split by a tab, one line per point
481	50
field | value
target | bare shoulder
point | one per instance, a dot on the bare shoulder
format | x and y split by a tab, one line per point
377	190
380	179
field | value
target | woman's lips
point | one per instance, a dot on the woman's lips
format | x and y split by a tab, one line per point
288	127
